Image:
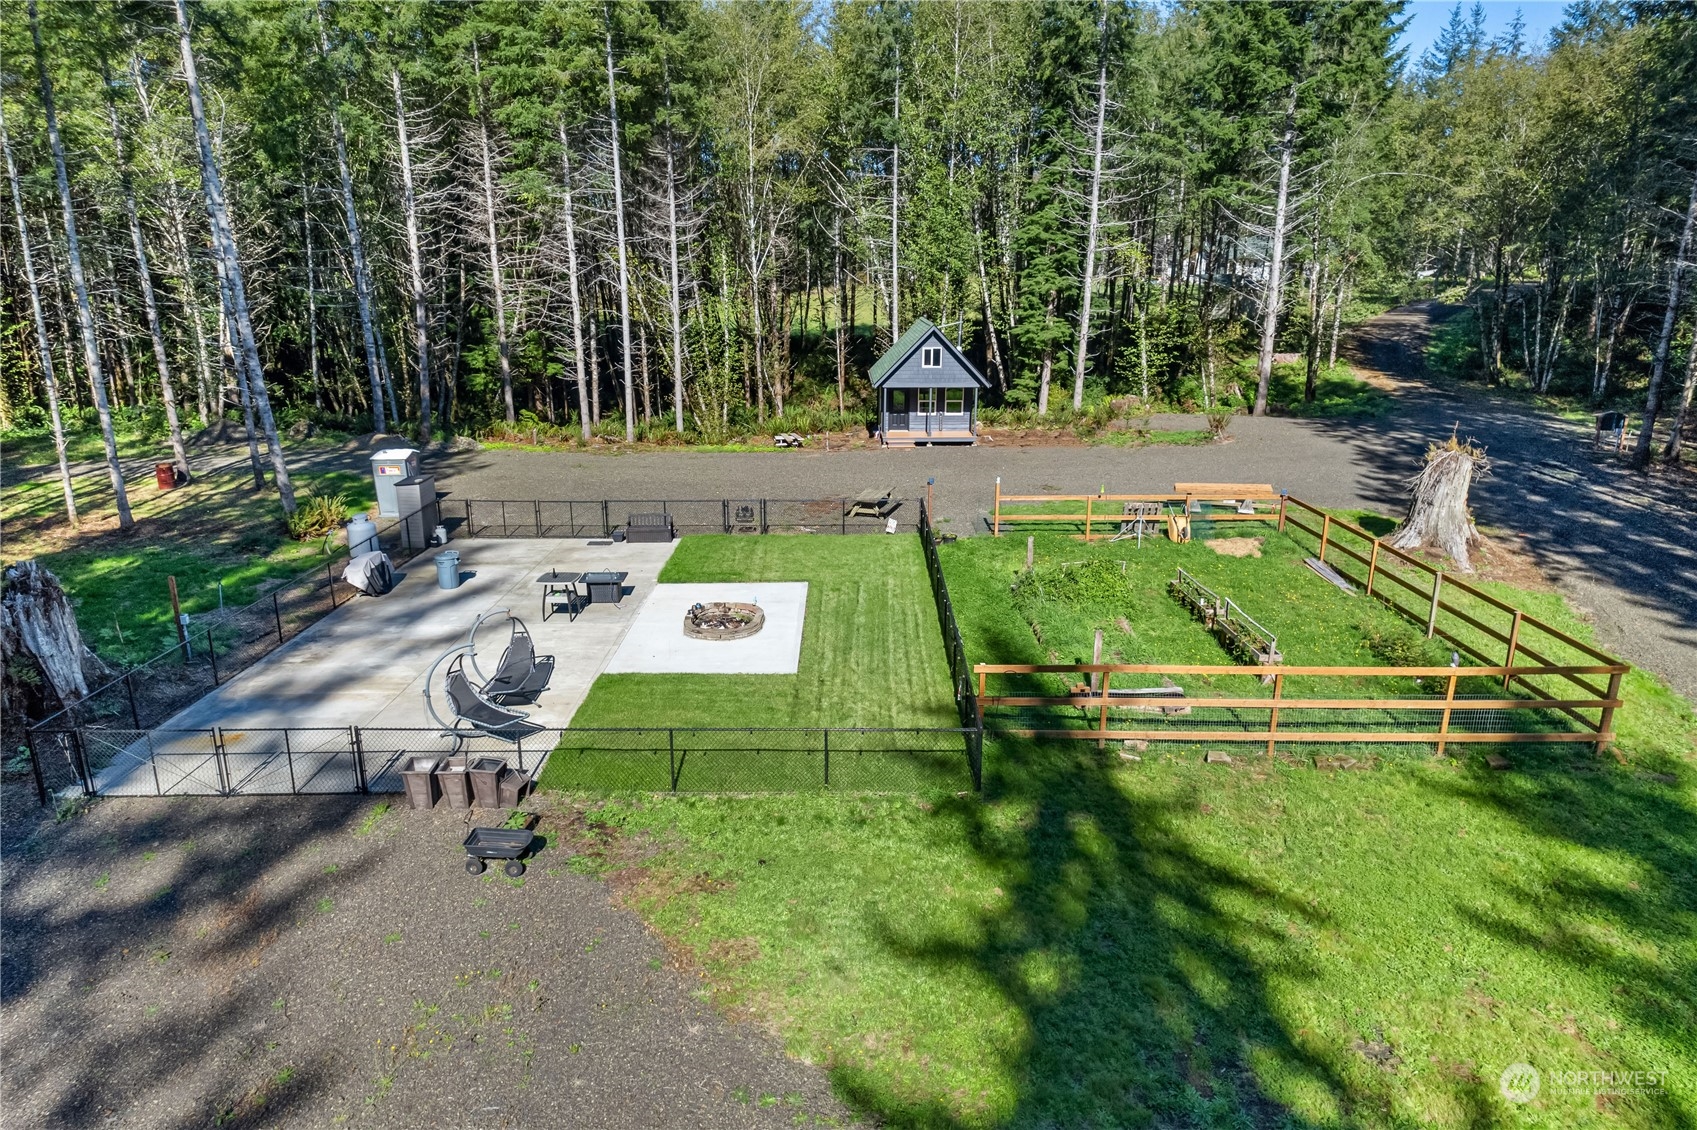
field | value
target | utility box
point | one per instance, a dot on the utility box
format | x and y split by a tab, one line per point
389	467
416	498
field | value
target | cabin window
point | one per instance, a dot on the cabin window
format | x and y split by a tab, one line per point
931	357
898	400
927	401
954	401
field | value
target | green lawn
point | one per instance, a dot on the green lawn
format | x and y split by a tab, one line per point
871	656
216	529
1104	942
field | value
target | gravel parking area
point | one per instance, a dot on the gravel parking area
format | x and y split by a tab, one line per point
309	962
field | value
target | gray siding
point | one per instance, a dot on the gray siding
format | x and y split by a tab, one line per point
952	374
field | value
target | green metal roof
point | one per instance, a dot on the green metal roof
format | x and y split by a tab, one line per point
899	351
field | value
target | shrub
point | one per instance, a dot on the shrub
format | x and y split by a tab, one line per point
1218	422
317	515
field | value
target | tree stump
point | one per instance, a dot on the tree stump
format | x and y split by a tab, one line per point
1438	517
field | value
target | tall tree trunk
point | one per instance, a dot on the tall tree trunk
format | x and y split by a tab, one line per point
619	227
356	245
238	365
185	261
41	340
895	205
451	378
1676	439
1658	360
1091	232
224	243
1048	366
571	285
503	348
1275	265
1337	318
79	284
1311	354
154	332
1000	363
415	263
311	300
676	293
842	313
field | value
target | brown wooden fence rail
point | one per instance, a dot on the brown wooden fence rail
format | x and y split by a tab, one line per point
1269	506
1447	711
1391	576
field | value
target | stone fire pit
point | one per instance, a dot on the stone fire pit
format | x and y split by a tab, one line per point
723	620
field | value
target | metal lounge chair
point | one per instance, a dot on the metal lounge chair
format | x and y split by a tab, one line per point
521	675
473	714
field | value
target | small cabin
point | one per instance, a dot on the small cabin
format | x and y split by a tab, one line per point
927	390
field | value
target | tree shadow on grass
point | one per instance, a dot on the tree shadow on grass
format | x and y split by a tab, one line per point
1142	967
1648	819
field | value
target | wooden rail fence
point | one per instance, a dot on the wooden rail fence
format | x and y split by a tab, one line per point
1093	517
1384	573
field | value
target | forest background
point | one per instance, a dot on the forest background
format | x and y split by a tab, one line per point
692	222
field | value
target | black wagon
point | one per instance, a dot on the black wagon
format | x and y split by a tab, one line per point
509	844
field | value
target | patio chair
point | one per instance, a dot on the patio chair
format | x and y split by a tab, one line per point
473	714
521	675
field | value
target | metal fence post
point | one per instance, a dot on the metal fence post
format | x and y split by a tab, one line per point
725	513
763	526
470	528
277	614
289	756
606	521
672	754
827	734
35	768
130	689
538	505
81	764
356	746
220	761
212	656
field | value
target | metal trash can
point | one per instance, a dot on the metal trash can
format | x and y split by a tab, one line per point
485	774
165	476
420	781
448	569
455	783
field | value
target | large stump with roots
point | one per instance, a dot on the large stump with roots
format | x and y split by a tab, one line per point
1438	517
723	620
46	666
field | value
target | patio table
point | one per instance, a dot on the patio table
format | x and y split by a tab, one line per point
555	583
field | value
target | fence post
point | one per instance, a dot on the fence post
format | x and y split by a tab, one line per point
538	505
975	755
470	528
1606	720
1088	500
764	528
606	521
1372	566
1513	643
827	734
289	756
153	764
277	615
672	756
81	764
1273	721
1325	535
220	760
725	513
996	521
356	746
330	575
1444	721
130	689
35	768
1284	495
1432	616
212	656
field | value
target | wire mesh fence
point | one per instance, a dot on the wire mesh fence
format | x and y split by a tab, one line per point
960	672
227	761
600	518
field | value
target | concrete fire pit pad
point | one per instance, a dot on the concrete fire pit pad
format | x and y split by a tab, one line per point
656	642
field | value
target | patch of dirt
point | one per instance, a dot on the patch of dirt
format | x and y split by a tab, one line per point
1503	557
1235	547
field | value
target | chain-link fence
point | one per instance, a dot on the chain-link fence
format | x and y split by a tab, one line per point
512	518
226	761
960	672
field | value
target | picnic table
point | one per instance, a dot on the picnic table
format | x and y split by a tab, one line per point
874	503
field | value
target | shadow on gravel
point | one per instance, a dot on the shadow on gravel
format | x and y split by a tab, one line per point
222	903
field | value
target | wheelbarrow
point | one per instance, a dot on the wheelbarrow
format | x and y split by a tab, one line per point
509	844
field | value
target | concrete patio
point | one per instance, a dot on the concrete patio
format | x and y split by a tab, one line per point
365	664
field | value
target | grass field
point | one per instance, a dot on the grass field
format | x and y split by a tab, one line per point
1102	942
871	656
218	528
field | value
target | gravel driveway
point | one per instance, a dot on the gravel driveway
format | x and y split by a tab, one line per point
303	962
